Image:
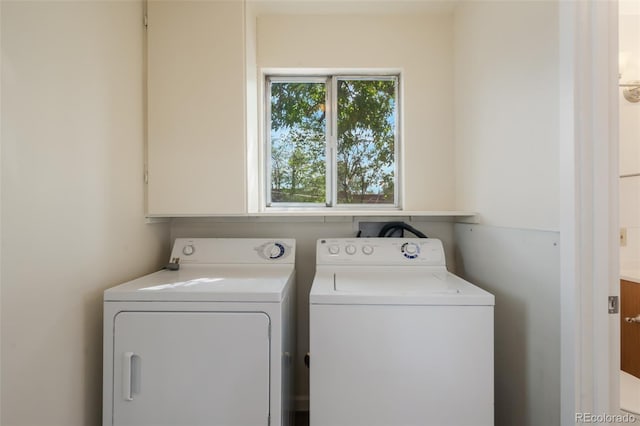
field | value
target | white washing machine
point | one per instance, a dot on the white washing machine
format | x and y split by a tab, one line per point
397	340
208	344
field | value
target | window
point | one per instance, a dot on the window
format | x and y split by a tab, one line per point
332	141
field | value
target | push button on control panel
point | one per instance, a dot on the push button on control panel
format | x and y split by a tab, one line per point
334	249
367	250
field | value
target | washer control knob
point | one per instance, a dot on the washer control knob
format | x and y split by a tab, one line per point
188	250
410	250
334	249
350	249
367	250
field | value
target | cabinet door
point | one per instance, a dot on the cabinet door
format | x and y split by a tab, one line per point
629	331
191	369
196	125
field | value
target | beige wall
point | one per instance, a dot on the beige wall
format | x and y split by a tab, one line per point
72	154
72	199
506	112
420	45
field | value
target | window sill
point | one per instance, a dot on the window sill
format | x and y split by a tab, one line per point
274	213
301	211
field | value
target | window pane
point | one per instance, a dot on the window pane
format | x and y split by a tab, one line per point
366	141
298	141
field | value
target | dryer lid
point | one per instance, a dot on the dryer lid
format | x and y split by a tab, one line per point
199	283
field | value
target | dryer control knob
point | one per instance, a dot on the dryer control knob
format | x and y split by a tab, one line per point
334	249
276	251
350	249
367	250
188	250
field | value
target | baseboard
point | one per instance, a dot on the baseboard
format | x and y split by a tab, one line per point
301	403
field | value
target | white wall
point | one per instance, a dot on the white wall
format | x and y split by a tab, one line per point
521	268
629	45
72	199
506	112
507	169
420	45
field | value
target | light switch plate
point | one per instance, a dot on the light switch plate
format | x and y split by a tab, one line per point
623	237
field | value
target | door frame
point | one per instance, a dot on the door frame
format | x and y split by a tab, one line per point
590	336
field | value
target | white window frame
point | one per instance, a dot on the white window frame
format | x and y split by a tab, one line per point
267	135
330	79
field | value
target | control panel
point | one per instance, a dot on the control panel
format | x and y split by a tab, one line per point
232	251
381	251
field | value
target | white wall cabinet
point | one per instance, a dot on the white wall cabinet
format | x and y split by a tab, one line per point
196	120
203	100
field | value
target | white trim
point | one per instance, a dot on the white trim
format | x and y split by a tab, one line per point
331	147
611	229
605	201
305	211
588	172
253	131
323	72
569	236
1	207
332	143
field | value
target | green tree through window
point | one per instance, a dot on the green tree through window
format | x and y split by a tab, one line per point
298	141
364	116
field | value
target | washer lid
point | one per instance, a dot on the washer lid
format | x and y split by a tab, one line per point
390	283
395	286
208	283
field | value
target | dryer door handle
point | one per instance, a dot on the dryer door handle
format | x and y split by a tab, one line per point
130	375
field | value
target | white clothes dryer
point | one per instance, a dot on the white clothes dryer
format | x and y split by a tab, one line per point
396	339
208	344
